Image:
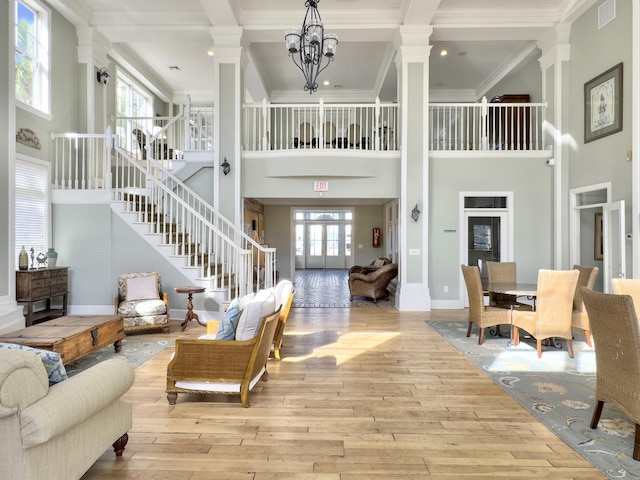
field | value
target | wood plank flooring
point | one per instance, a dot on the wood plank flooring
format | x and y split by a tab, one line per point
360	393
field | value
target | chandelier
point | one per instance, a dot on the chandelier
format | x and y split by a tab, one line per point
310	49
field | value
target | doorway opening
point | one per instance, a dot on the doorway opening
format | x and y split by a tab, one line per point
486	231
323	238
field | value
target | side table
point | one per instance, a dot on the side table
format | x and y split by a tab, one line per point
190	314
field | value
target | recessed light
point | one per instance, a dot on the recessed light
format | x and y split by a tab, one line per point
210	52
443	52
326	82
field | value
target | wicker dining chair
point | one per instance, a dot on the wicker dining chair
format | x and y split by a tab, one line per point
616	334
627	286
483	316
554	306
501	272
579	317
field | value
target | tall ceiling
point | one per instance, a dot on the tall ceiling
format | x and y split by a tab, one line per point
484	40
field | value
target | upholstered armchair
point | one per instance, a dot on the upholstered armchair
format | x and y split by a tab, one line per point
483	316
142	303
373	285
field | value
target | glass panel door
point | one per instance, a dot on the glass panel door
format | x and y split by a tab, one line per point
613	243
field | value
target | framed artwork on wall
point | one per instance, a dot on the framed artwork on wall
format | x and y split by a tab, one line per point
597	238
603	104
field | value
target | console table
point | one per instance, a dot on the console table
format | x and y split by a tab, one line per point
40	284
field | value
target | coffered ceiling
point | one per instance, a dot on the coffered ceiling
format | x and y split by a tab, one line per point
483	38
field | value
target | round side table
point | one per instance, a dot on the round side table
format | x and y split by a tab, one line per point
190	314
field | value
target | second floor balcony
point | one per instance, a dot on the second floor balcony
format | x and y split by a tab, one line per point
375	129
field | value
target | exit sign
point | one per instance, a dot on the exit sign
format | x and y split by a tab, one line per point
320	186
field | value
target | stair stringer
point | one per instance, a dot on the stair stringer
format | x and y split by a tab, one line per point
167	250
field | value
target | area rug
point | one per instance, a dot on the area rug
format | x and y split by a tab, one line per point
134	351
557	390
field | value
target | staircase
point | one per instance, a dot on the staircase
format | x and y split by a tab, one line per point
207	248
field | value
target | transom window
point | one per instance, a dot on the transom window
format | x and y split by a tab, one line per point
32	55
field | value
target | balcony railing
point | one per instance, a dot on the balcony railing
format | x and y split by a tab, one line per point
320	126
487	126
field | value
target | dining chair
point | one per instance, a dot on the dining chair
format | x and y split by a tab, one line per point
501	272
627	286
616	334
579	317
554	306
479	313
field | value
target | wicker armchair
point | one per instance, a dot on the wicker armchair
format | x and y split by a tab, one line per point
616	333
483	316
229	367
373	285
580	318
284	294
627	286
554	306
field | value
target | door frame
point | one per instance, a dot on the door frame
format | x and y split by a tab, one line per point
503	213
609	237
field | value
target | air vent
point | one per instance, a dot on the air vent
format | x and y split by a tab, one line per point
606	13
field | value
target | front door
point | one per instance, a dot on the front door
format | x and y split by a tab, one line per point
325	245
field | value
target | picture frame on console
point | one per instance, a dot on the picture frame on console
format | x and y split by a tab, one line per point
603	104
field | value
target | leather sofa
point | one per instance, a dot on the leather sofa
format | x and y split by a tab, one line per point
57	432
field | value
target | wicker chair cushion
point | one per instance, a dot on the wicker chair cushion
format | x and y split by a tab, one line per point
261	305
229	324
141	308
145	320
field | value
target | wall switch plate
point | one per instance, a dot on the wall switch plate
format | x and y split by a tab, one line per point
414	251
446	289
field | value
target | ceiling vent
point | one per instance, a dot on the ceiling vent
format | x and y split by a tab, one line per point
606	13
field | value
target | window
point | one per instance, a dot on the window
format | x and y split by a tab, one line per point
32	55
32	206
134	110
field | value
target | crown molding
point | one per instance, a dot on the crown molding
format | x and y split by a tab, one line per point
131	61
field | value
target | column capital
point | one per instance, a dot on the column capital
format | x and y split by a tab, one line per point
555	45
93	47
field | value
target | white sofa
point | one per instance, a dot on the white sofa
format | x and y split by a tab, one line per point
57	432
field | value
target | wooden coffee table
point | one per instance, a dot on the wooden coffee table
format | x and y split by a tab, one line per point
71	336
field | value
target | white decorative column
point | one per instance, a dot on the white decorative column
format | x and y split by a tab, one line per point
228	86
92	52
413	67
555	52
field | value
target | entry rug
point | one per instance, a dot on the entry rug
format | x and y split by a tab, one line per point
558	390
134	351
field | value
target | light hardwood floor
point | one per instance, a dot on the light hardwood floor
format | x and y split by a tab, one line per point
361	393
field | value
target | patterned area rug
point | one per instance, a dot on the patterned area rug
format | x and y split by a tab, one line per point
557	390
134	351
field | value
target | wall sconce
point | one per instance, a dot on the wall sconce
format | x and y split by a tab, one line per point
226	168
103	76
415	213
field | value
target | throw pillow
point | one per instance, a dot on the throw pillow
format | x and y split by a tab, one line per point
249	324
229	324
142	288
51	360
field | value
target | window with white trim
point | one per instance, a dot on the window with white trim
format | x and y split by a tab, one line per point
32	212
32	55
134	107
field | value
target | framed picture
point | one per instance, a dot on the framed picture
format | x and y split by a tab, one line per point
597	238
603	104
